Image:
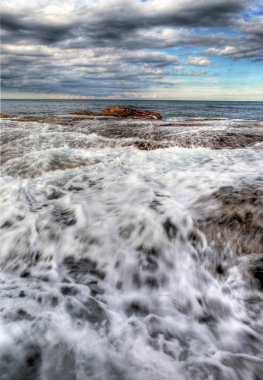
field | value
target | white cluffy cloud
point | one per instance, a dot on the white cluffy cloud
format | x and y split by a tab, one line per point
198	61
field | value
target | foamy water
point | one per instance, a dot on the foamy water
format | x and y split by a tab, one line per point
105	272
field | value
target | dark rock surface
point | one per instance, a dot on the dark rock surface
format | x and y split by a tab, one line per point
237	219
144	132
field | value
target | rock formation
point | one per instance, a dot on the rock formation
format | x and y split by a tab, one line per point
122	112
6	116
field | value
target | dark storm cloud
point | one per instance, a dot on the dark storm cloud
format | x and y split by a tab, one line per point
129	29
103	48
21	29
76	86
210	14
24	74
118	24
157	59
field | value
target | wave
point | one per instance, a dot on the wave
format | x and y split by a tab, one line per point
119	263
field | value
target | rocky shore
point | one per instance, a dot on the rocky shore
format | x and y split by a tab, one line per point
154	257
146	130
118	112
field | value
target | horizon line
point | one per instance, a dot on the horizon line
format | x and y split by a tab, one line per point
134	99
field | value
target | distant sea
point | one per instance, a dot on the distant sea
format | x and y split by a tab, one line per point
170	109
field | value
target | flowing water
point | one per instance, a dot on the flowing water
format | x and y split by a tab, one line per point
132	250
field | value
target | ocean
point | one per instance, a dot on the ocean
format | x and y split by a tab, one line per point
168	108
131	249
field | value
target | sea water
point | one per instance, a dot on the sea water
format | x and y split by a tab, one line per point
106	270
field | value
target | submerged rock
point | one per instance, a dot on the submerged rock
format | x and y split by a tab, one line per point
125	127
150	144
255	267
237	219
84	113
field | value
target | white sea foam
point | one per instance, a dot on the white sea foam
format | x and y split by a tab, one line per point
104	274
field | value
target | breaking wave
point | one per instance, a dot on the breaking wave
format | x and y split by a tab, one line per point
126	263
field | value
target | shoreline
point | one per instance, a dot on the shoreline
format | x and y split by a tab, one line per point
147	133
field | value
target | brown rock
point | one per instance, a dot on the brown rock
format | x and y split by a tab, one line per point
6	116
124	112
84	113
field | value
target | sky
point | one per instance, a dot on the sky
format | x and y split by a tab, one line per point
132	49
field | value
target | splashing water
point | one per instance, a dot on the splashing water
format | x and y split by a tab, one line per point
114	262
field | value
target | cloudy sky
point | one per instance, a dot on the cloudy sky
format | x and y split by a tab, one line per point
151	49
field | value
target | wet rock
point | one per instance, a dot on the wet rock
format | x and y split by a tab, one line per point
91	311
79	269
65	217
53	193
170	229
151	282
253	265
67	290
22	363
51	119
237	219
151	145
197	240
152	252
232	140
33	356
258	274
122	112
125	112
136	307
6	116
155	134
84	113
17	315
22	314
149	264
95	289
220	269
25	273
156	326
